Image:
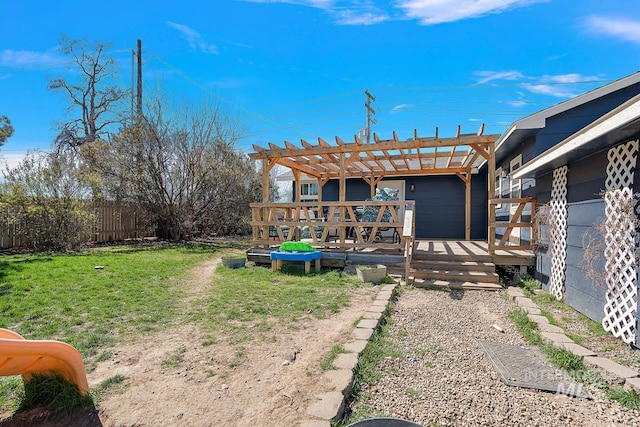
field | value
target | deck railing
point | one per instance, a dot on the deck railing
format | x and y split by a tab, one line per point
334	224
516	221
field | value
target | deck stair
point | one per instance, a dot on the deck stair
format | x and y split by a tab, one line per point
455	271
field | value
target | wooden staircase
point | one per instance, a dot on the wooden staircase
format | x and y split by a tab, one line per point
454	271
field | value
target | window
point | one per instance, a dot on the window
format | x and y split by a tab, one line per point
498	186
498	183
515	184
310	189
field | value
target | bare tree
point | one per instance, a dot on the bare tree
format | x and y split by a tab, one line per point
94	98
182	170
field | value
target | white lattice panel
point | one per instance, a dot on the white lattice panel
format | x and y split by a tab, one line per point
620	243
558	231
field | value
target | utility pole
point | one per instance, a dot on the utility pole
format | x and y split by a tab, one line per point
370	113
139	91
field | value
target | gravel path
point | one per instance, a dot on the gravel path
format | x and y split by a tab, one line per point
443	377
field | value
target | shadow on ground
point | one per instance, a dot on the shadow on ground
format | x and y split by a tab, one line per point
41	416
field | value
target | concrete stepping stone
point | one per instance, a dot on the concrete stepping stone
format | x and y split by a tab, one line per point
328	406
611	367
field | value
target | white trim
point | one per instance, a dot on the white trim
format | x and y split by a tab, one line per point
614	119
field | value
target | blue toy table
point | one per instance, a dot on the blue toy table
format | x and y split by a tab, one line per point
277	257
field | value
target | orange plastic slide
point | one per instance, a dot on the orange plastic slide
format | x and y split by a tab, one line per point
25	357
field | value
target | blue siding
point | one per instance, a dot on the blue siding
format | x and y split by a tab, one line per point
440	203
567	123
582	292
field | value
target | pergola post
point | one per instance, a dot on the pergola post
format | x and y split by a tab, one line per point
466	178
342	195
467	219
491	163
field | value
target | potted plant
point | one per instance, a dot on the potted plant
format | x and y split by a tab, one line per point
237	261
371	273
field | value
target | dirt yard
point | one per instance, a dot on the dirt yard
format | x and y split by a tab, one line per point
249	384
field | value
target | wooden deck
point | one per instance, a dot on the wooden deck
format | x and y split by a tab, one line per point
472	250
457	264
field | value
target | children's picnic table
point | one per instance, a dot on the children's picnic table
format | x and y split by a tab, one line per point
277	258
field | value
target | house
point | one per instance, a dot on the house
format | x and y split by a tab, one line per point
578	159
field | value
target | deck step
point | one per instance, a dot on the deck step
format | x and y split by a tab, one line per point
430	256
456	275
467	286
452	265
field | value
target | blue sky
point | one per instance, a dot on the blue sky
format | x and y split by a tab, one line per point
298	69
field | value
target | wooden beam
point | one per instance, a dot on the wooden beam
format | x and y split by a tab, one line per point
343	147
373	181
298	184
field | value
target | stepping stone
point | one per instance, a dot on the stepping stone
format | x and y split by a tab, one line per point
368	323
555	338
372	315
346	361
576	349
342	379
514	292
612	367
356	346
525	302
632	383
362	333
377	308
315	423
548	327
328	406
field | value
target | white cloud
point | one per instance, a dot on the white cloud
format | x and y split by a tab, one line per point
431	12
194	38
360	17
559	85
399	108
344	12
625	29
487	76
30	59
518	103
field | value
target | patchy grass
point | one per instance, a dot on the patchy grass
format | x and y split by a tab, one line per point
54	392
108	384
248	301
628	399
175	359
326	364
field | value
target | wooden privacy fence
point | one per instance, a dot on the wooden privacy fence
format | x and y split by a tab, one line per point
114	222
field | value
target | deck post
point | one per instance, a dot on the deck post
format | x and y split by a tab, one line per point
491	185
467	228
342	196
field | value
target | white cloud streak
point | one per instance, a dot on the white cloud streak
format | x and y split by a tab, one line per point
431	12
399	108
487	76
194	39
349	12
624	29
559	85
30	59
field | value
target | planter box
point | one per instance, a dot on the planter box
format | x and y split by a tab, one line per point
371	273
233	262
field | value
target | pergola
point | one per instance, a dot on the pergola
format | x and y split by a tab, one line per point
460	155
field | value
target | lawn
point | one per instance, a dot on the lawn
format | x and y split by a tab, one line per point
98	299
